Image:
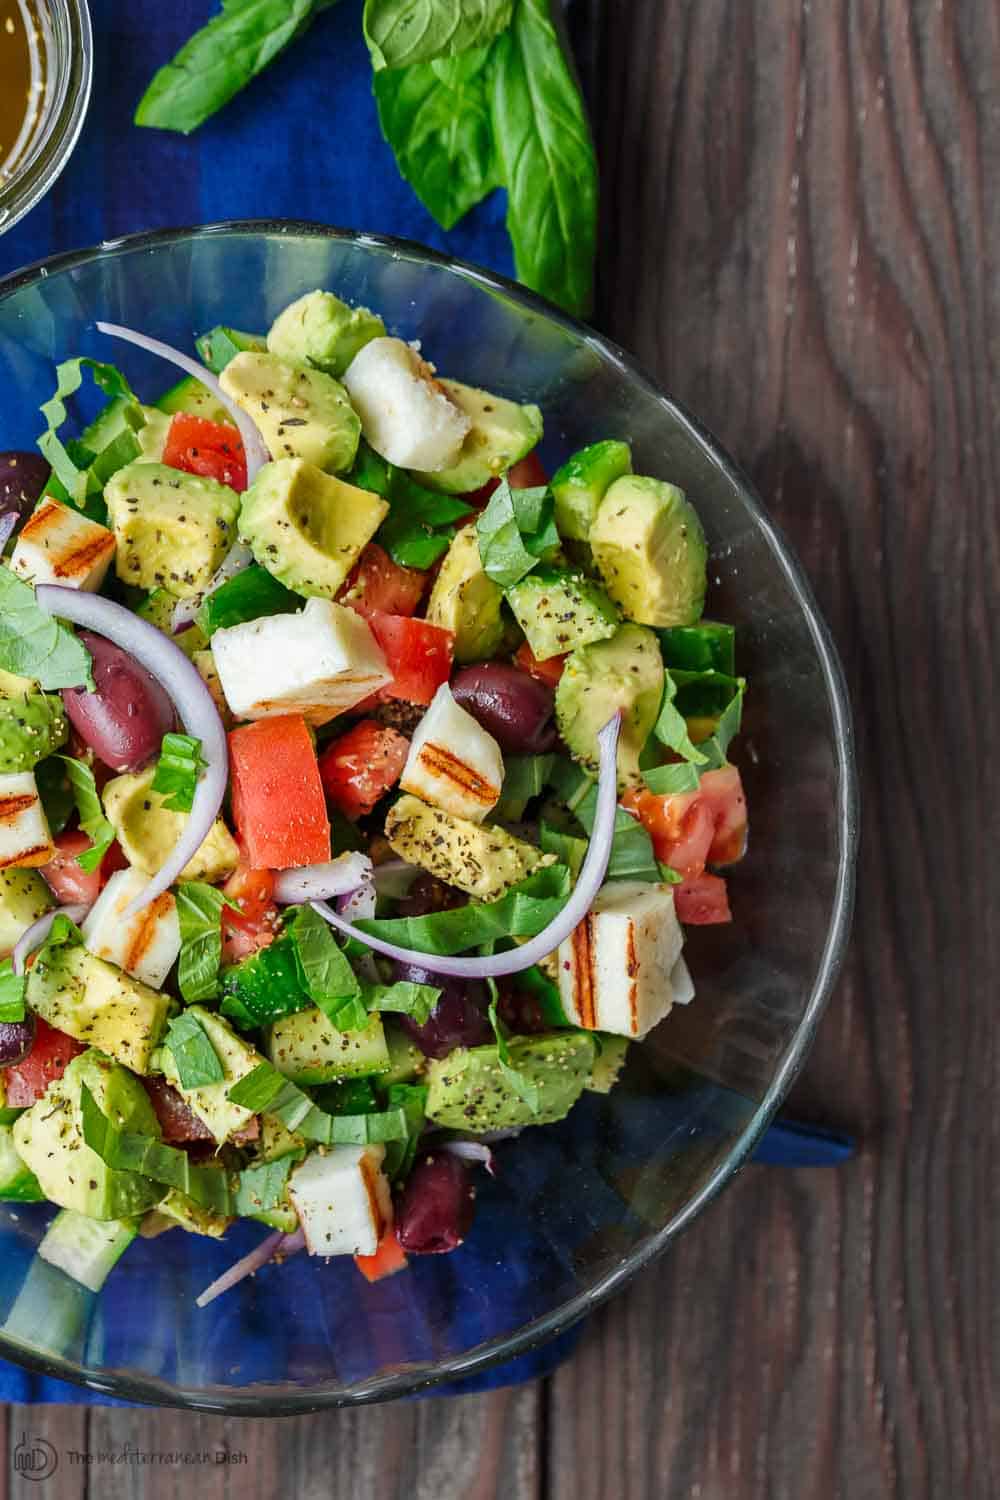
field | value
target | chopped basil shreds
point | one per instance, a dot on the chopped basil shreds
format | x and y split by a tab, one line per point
177	771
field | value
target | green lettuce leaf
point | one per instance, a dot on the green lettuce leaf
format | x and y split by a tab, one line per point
523	1086
34	644
265	1091
525	777
671	726
418	529
404	999
411	1098
81	473
567	848
191	1048
673	780
326	975
92	820
632	855
400	33
177	771
259	1189
524	911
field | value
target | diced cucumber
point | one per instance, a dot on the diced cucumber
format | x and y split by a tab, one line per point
51	1312
581	484
219	345
86	1249
190	396
307	1049
705	647
406	1061
18	1184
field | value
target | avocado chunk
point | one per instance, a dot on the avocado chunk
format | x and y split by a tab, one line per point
172	529
211	1102
650	548
466	602
18	1184
623	673
306	527
318	329
97	1003
406	1061
559	611
581	484
24	897
49	1139
152	437
307	1049
501	433
468	1089
483	861
301	412
32	726
158	608
178	1211
147	830
196	400
608	1064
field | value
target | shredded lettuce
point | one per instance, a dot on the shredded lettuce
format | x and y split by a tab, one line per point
404	999
632	855
266	1091
325	973
82	473
261	1188
518	1081
671	726
673	780
151	1157
411	1098
419	527
525	777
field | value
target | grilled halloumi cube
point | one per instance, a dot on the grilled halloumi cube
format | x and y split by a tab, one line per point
59	545
453	762
342	1198
145	945
615	968
318	663
25	839
681	983
406	414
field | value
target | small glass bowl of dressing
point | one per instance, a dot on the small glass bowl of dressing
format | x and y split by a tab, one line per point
46	66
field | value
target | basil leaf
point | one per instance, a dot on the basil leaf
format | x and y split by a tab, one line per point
524	911
549	167
436	117
402	32
199	912
515	530
411	1098
632	855
672	781
191	1048
417	530
256	1090
716	748
567	847
671	727
92	820
150	1157
522	1086
56	792
525	777
261	1188
221	59
177	771
75	469
404	999
265	1091
12	991
327	977
34	644
61	933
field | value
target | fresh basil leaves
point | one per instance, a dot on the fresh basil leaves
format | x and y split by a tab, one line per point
34	644
195	1058
524	911
199	912
92	820
12	992
402	32
515	531
177	771
81	472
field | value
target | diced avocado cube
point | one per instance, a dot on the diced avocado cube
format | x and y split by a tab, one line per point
152	437
581	484
204	662
608	1063
194	398
18	1184
98	1004
158	608
147	830
623	673
307	1049
178	1211
406	1061
219	345
318	329
211	1102
501	433
469	1091
173	529
482	860
49	1138
306	527
301	412
24	897
559	611
650	548
467	602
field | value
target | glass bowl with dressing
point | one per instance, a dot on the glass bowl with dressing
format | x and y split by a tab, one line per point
46	66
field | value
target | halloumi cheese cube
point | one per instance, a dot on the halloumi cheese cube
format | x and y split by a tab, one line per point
615	968
406	414
318	663
145	945
453	762
59	545
681	983
342	1198
25	839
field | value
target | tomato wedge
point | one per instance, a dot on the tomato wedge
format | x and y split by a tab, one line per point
50	1056
277	795
255	924
212	449
67	881
418	655
681	827
549	671
702	901
379	584
722	790
360	766
389	1258
527	473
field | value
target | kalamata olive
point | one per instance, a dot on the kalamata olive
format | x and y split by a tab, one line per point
521	1011
428	894
435	1208
23	477
458	1020
516	709
16	1040
124	721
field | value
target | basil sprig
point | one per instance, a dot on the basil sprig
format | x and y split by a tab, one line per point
177	771
34	644
92	819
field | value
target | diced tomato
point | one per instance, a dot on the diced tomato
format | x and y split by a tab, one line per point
479	499
418	655
255	924
545	671
50	1056
723	792
67	881
702	900
277	795
389	1258
681	827
211	449
527	473
378	583
360	766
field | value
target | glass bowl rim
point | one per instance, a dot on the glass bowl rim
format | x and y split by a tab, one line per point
280	1400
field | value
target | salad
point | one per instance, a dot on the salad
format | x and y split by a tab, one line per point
357	782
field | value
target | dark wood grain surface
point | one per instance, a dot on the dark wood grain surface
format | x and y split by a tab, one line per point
801	238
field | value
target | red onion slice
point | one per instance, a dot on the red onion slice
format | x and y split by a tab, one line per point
7	524
589	882
358	905
191	698
237	560
469	1151
36	934
275	1244
253	444
317	882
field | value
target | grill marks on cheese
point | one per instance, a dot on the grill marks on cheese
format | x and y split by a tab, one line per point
440	762
59	545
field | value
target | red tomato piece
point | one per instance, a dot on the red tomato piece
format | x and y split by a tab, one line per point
418	655
702	900
681	827
50	1056
255	924
389	1258
527	473
211	449
722	790
379	584
277	795
549	671
360	766
71	884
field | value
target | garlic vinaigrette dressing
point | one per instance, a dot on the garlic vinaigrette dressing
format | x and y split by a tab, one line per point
22	82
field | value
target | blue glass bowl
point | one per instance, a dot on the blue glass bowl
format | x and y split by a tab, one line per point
577	1208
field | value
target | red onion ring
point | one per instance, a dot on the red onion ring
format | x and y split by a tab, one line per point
469	1151
589	882
39	930
275	1244
191	698
318	882
237	560
7	524
253	444
358	905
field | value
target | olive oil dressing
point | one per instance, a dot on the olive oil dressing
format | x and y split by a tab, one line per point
22	83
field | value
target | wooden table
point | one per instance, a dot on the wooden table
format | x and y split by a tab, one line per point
801	238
